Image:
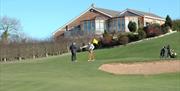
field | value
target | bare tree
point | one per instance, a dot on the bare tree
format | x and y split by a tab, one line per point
8	27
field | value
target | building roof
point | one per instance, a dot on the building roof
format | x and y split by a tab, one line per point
113	13
141	13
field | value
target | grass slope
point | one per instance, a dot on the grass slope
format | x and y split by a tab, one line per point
59	74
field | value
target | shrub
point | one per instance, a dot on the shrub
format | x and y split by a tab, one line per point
176	25
153	30
141	34
132	37
123	39
132	26
106	41
165	29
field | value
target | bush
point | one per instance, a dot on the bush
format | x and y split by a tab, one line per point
106	41
141	34
123	39
165	29
153	30
176	25
132	37
132	26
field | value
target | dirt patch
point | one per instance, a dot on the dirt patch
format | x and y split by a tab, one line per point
142	68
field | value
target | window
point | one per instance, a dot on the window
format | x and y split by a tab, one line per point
93	25
123	24
110	25
85	26
89	25
115	22
100	25
119	24
113	25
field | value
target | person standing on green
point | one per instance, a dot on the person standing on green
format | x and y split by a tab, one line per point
90	47
73	49
168	51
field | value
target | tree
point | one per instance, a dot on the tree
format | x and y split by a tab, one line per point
8	27
176	25
168	21
132	26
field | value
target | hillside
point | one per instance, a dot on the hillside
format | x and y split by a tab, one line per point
146	50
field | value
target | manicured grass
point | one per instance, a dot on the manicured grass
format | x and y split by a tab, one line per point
146	50
59	74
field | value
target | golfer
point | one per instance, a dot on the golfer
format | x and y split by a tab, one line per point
90	47
73	49
91	52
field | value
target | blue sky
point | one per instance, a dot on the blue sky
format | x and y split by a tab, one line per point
40	18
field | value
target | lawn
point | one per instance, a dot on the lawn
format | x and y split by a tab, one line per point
59	74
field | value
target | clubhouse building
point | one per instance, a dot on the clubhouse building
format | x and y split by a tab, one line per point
97	20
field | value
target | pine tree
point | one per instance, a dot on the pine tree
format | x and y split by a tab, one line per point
168	21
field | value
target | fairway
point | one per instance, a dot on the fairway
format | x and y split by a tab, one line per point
59	74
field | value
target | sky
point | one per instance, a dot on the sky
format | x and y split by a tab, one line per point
40	18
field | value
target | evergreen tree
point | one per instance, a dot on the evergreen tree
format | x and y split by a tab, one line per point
132	26
168	21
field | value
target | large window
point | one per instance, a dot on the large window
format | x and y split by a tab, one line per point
89	25
116	25
85	26
110	25
100	25
113	25
123	24
119	24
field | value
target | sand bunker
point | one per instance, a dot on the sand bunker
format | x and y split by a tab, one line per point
142	67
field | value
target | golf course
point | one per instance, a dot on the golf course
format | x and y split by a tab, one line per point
58	73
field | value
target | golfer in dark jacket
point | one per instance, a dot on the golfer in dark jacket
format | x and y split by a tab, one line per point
73	49
162	52
168	51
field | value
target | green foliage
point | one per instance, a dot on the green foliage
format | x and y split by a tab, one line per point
141	34
123	39
132	26
107	39
153	30
4	37
132	37
176	25
165	29
168	21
